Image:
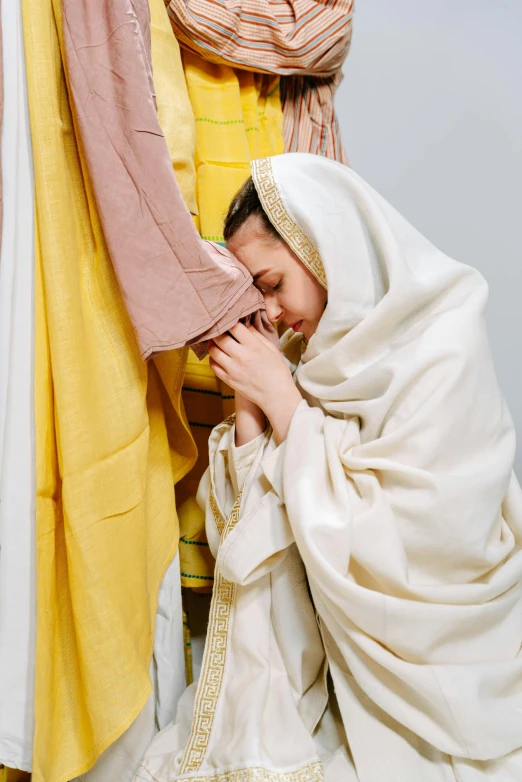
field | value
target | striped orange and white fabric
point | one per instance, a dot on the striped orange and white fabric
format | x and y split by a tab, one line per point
304	41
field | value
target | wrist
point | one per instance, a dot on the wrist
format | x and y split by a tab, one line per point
281	411
250	420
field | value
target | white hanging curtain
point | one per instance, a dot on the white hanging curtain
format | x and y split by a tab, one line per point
17	449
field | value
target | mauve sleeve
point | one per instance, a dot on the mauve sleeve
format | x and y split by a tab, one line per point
178	289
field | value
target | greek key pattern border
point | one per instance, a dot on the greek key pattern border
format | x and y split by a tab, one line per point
213	668
312	772
272	203
218	516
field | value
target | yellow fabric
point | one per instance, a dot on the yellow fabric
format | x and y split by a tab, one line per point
207	402
174	108
13	775
110	441
189	668
238	118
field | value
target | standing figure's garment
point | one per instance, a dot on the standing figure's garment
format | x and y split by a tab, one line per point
111	441
304	42
17	447
177	288
121	759
395	483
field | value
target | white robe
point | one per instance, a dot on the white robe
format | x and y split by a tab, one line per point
395	486
259	711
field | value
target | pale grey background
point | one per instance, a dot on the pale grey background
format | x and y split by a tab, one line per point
431	115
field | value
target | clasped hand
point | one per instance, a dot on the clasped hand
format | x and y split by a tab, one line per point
253	366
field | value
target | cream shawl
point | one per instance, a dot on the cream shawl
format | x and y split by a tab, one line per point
397	471
395	487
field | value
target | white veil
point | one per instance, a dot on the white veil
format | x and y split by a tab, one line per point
402	499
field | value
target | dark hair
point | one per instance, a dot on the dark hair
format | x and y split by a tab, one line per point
245	204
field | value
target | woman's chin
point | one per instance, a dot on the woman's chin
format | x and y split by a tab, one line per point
308	331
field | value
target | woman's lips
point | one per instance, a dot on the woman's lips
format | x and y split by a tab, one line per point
296	326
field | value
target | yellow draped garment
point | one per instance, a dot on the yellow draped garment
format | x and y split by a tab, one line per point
238	119
110	435
13	775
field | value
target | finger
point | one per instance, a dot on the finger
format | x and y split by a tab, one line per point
257	335
241	333
218	370
227	344
219	356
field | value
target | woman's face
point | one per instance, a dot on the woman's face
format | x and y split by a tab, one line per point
291	292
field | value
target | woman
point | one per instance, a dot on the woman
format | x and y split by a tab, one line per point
380	454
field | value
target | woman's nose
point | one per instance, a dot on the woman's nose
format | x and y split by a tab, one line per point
273	310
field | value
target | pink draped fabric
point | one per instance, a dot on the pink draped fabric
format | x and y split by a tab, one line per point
177	288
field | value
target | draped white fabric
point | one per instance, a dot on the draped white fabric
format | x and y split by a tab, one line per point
17	450
395	487
397	480
259	711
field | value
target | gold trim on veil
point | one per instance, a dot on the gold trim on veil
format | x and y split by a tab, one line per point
277	213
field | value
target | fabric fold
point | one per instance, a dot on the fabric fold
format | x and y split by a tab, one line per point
397	478
178	289
305	43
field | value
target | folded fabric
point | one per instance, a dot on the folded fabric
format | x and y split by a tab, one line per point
177	288
238	118
305	43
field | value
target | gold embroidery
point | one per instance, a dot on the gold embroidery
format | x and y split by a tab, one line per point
224	525
278	215
234	515
218	516
212	671
313	772
213	668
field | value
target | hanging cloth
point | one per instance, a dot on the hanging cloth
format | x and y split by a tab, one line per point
238	118
120	760
178	289
175	115
111	441
305	43
17	448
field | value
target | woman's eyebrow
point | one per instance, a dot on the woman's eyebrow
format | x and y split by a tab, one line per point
260	274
